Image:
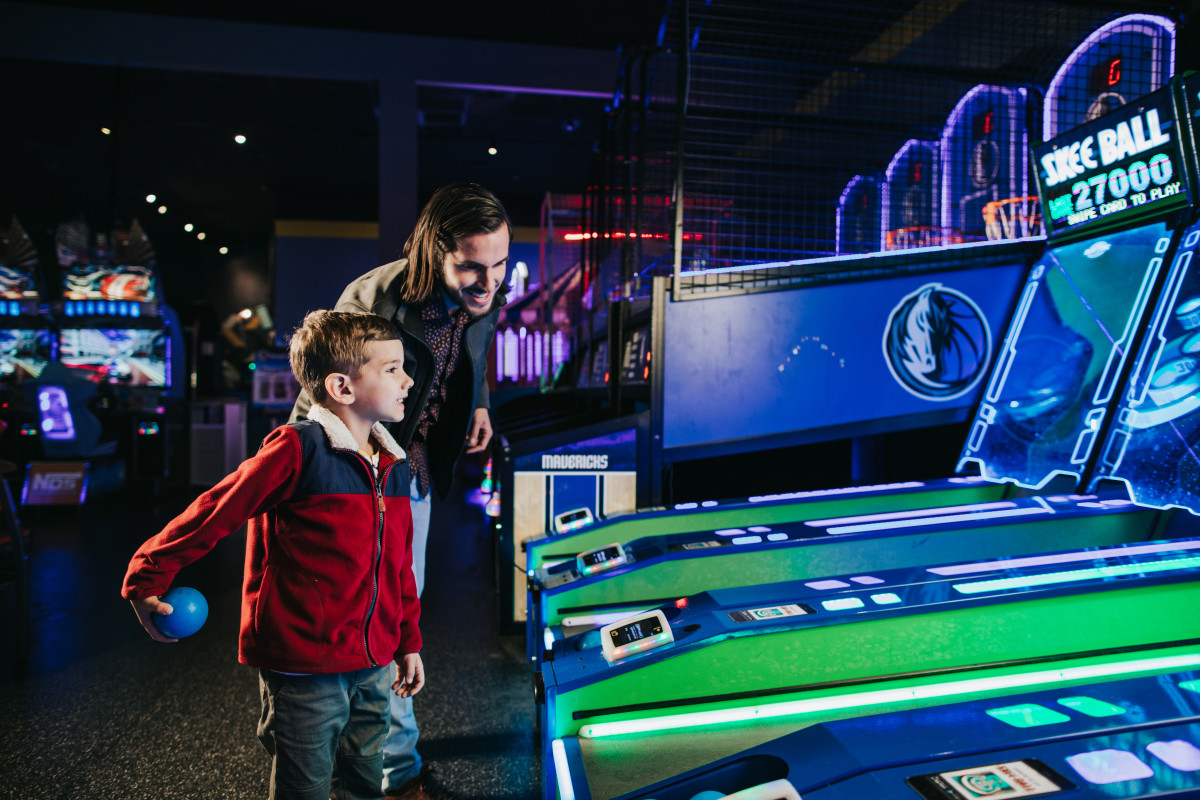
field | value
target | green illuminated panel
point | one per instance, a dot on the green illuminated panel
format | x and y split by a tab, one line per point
1091	706
1027	715
1075	575
733	566
634	527
868	648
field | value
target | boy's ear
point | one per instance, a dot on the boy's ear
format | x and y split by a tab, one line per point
339	388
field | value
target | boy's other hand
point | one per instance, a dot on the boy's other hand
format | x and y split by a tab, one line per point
410	675
147	606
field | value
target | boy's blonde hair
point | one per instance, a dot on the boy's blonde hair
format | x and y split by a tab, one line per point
334	341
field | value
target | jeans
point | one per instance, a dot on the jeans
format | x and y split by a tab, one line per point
401	762
325	733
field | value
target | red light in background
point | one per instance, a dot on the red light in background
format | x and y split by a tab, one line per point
988	123
1114	72
681	602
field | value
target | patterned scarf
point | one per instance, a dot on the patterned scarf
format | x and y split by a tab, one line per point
444	334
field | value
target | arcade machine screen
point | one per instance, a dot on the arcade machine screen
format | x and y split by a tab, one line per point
97	282
124	356
24	353
1082	304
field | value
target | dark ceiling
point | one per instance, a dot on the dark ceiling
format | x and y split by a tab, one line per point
312	145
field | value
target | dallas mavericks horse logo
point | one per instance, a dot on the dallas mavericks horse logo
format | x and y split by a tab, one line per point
937	343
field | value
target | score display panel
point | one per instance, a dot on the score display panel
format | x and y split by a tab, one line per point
1124	167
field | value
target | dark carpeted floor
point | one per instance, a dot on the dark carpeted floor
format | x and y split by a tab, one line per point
104	712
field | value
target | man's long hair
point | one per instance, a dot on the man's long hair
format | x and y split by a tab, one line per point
454	212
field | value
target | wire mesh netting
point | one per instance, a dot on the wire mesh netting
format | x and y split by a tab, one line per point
768	132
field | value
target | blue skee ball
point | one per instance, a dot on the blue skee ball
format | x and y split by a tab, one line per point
708	795
191	609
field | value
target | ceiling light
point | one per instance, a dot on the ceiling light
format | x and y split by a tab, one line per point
224	250
200	236
162	209
106	131
188	227
150	198
240	139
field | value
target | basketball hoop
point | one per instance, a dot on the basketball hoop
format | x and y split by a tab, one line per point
910	238
1013	218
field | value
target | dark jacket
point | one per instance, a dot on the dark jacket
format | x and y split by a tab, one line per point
466	388
328	584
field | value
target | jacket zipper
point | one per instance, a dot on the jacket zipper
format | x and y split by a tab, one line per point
378	560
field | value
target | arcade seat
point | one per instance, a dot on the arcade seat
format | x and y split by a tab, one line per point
69	431
66	424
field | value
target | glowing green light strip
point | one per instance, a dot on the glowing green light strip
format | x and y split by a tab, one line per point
885	696
1075	575
562	772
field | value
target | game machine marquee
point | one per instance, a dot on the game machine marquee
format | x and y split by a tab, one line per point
910	198
858	216
117	335
1153	444
1125	59
985	168
1111	191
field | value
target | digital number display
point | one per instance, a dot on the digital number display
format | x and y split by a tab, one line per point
1127	164
642	628
600	556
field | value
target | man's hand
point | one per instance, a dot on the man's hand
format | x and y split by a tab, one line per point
410	675
480	433
145	608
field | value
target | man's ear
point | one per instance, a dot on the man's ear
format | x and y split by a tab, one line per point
339	388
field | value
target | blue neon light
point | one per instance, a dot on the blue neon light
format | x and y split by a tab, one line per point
1062	558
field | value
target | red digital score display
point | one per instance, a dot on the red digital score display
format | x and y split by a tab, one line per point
1106	76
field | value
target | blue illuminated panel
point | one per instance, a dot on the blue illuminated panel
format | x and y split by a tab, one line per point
858	216
1061	359
830	355
1109	766
1152	444
985	159
1125	59
910	198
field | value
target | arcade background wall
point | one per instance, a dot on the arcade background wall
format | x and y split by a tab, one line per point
788	102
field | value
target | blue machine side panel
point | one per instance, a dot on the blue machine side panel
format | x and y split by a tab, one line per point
755	365
1153	443
1062	356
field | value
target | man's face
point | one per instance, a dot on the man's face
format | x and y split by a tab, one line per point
473	273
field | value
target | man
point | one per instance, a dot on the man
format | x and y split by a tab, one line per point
445	297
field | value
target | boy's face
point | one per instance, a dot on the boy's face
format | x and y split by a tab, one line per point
382	384
472	274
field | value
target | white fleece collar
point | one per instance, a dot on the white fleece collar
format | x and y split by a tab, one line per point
340	436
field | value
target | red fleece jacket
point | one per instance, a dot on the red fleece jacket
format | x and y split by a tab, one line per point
328	584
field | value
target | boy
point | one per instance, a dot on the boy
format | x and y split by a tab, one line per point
328	597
